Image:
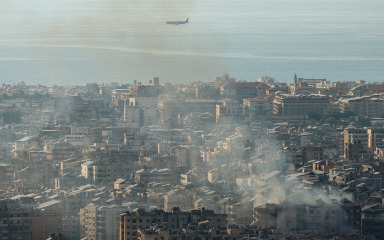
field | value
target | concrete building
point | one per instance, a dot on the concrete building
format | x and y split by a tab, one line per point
317	218
132	114
46	222
100	222
227	108
365	106
311	81
302	88
176	198
163	176
77	140
187	155
71	227
79	130
356	134
300	105
206	91
305	138
96	171
152	89
375	138
241	90
132	224
169	109
255	107
15	221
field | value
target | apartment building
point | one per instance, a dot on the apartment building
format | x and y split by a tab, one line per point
46	222
300	105
15	221
100	222
288	217
171	108
227	108
365	106
254	107
241	90
96	171
134	222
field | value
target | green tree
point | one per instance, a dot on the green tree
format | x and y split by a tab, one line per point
315	116
331	120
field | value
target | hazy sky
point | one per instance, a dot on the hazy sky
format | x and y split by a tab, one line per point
117	40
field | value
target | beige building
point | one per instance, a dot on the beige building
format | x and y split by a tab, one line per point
366	106
46	222
255	107
174	199
369	138
227	108
356	134
132	114
241	90
375	138
359	143
141	111
187	155
96	172
302	88
300	105
143	101
100	222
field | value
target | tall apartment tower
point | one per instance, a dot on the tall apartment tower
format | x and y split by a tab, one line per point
156	81
100	222
15	221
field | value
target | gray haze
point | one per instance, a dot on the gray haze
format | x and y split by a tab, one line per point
76	41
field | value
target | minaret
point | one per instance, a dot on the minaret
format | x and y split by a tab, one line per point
295	79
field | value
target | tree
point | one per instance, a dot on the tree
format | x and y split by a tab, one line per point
315	116
331	120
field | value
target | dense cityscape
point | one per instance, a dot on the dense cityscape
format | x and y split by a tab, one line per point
221	159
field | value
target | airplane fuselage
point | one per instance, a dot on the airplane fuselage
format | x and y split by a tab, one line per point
177	22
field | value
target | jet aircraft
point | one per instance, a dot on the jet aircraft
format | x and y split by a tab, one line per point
177	22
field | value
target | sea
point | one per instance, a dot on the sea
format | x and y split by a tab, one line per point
71	42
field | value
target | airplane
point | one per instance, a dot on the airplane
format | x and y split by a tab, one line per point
177	22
